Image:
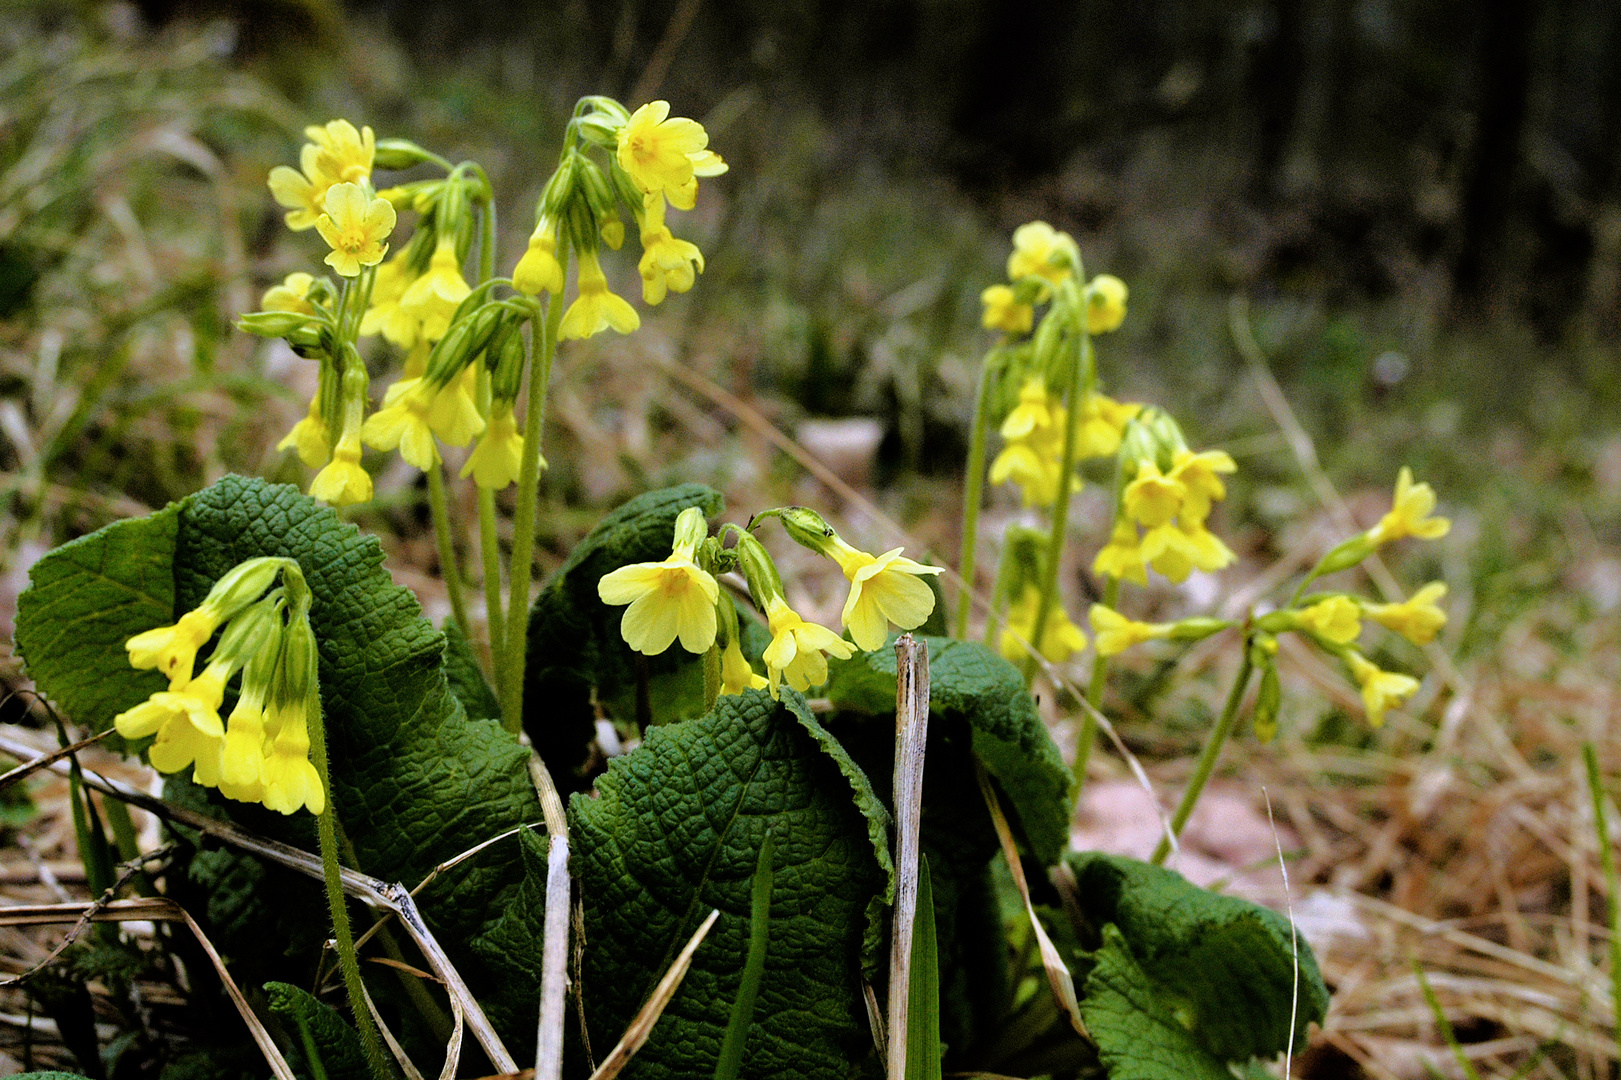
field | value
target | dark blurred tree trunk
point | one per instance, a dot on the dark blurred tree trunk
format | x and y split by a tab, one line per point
1503	80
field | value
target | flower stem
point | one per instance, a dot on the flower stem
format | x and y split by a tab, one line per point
448	566
327	828
523	524
973	494
1066	488
1094	697
489	542
711	676
1208	756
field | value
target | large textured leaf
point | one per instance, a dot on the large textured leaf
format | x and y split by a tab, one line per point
1223	967
574	644
675	830
76	613
319	1032
1138	1035
968	680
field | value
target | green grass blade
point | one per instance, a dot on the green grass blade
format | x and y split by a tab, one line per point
1448	1036
737	1029
1612	883
923	1008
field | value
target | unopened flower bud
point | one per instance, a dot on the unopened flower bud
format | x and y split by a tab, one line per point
764	581
396	154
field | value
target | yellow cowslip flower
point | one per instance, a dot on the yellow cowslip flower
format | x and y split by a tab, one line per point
242	754
1176	550
539	269
668	264
1036	475
289	779
310	437
1004	312
1103	421
797	648
1381	690
1201	483
1037	413
343	481
355	227
1105	304
344	153
186	723
1061	640
173	649
1337	619
1152	499
1113	633
1409	512
387	314
402	423
1040	250
441	287
290	295
497	459
736	675
884	589
1417	618
596	309
662	154
302	190
668	600
1122	557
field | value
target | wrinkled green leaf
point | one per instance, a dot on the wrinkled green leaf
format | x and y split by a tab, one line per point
1222	966
1138	1035
316	1027
466	677
77	611
675	829
574	646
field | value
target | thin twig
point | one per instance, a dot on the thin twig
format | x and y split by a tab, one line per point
1294	938
911	736
641	1025
27	768
406	1065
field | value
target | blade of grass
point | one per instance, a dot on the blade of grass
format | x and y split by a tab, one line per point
737	1028
641	1026
1612	883
923	1009
1448	1036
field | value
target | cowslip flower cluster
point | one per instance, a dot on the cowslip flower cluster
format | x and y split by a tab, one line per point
260	753
1170	509
1060	640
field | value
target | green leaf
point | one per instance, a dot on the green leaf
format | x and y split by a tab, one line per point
675	830
923	990
1222	966
1138	1036
968	680
466	677
77	611
318	1031
574	647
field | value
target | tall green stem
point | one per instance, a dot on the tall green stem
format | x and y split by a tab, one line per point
448	566
489	541
327	829
1208	756
1066	486
973	493
1094	697
523	525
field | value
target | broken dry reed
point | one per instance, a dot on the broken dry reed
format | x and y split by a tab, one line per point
911	738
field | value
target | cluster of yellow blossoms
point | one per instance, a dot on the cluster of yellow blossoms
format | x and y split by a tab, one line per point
1170	508
465	352
679	599
260	753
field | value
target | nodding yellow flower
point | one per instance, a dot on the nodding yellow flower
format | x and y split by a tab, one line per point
453	413
186	722
1175	550
1040	250
1113	633
1004	312
302	190
1122	557
662	155
1409	513
1037	413
289	779
387	314
1035	473
1105	304
290	295
173	649
1061	640
596	309
402	423
1152	499
1417	618
343	481
539	269
797	648
1381	690
344	153
310	437
443	282
884	589
1201	484
667	263
668	600
1103	421
242	755
736	675
1337	619
498	457
355	227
